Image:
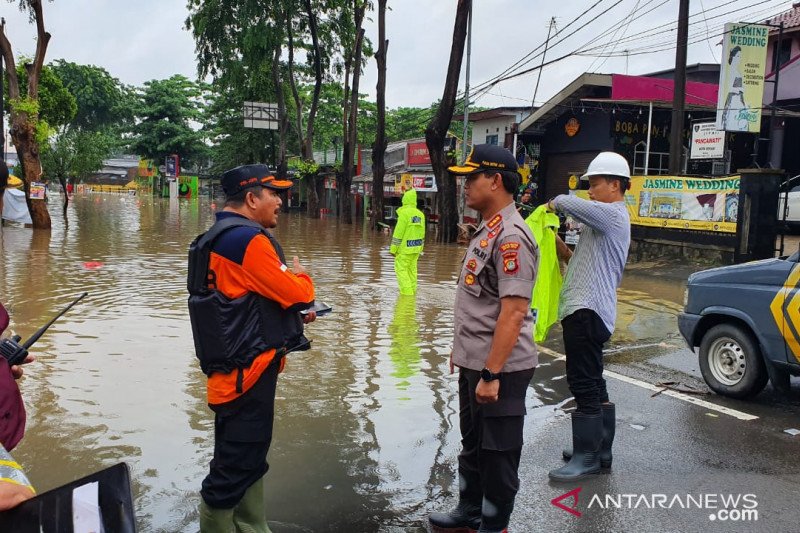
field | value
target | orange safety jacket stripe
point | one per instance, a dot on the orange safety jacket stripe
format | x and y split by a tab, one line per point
261	271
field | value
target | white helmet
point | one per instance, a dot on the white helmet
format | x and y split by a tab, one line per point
608	164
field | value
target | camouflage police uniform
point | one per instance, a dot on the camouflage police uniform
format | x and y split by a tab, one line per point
501	260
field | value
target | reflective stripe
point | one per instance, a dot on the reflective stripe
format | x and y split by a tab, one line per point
415	242
11	471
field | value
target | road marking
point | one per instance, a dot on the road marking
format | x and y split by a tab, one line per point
649	386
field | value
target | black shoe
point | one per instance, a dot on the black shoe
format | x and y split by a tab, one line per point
465	518
587	437
609	429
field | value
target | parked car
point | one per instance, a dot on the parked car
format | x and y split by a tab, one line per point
793	197
745	322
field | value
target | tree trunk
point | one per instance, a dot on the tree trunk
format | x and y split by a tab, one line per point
317	55
351	145
63	181
22	131
24	138
283	120
379	147
437	129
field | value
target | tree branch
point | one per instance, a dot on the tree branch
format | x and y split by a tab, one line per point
43	38
11	67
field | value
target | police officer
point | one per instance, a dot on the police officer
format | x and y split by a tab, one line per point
408	240
244	305
493	345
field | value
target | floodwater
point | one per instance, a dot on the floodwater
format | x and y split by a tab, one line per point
366	426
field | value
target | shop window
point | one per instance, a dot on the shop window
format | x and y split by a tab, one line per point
783	55
491	139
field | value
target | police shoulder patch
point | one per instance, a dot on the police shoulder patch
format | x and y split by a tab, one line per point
469	279
472	264
484	243
510	262
509	246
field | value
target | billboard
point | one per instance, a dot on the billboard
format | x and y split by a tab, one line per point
741	78
707	141
684	203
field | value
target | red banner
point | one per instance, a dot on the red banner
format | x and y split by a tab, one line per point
417	154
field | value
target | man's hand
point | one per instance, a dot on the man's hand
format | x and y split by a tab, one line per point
12	494
16	370
487	391
297	268
309	317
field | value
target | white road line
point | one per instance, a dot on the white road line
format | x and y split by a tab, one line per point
649	386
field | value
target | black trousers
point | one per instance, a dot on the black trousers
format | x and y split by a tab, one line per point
242	436
584	337
491	438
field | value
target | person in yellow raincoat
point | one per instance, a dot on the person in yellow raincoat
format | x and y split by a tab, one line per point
408	240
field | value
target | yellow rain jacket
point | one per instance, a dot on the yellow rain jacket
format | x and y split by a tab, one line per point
544	300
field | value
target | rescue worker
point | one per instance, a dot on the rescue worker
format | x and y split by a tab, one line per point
588	309
244	305
408	240
493	345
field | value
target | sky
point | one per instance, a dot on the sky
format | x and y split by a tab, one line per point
140	40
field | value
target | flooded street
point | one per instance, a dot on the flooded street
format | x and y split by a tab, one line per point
366	428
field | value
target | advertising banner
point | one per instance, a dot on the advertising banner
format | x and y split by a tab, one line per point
417	154
707	141
684	203
37	191
741	78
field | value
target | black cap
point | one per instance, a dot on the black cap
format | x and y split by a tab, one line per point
238	179
486	158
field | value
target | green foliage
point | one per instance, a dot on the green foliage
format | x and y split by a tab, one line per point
166	111
75	153
304	168
102	102
57	106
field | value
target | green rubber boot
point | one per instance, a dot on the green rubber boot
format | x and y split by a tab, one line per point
250	516
214	520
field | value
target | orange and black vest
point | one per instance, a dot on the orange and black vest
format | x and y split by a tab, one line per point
230	332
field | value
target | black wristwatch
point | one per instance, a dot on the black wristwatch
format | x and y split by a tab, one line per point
488	375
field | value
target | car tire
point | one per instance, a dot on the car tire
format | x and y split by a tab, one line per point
731	362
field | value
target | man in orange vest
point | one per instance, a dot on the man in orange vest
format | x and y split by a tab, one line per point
245	305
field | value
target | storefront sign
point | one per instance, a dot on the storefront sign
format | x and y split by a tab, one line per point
417	154
419	182
572	127
741	79
707	141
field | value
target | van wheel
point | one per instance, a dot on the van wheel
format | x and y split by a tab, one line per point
731	362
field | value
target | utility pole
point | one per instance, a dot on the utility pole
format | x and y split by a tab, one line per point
679	94
466	88
544	54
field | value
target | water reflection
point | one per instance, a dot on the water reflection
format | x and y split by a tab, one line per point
366	427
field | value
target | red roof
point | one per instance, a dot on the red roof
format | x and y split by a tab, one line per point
790	18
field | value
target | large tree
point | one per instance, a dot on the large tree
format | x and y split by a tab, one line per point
352	65
379	146
26	129
166	112
436	132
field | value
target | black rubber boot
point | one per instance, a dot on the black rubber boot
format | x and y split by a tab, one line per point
609	430
465	518
495	517
587	437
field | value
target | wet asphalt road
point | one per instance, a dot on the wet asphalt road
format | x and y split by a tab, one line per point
666	446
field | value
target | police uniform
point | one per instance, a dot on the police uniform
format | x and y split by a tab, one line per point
501	260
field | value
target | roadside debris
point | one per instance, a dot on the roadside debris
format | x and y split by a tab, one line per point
677	387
